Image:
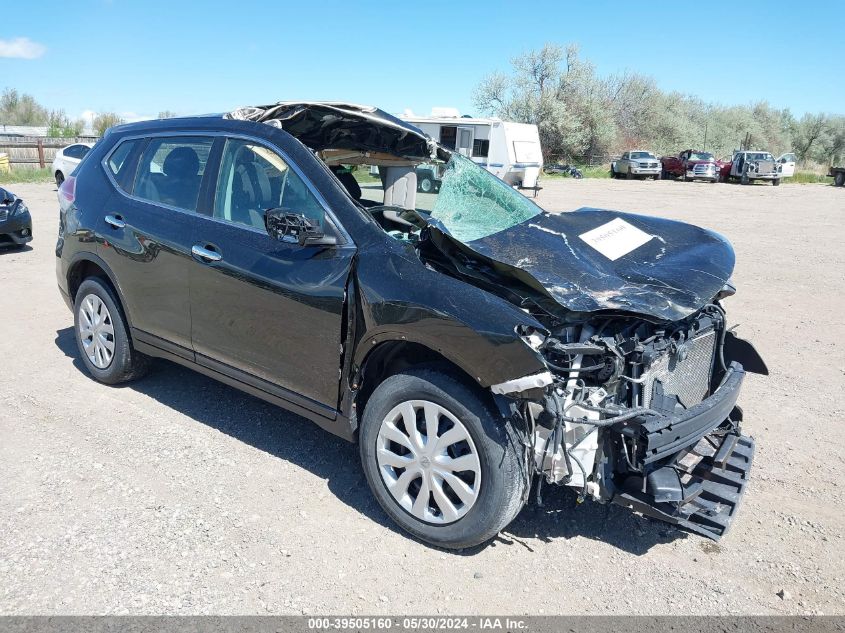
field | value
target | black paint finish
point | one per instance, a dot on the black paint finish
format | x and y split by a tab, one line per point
295	324
675	273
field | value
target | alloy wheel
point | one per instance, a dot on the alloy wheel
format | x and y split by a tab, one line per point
96	331
428	462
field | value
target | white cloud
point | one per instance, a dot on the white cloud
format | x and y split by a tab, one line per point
22	48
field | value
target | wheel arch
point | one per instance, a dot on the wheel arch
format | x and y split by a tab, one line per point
88	265
393	356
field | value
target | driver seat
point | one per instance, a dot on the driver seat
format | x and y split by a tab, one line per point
400	190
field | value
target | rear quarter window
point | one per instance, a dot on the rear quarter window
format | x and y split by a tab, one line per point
119	163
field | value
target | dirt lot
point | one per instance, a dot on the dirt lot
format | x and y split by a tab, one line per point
180	495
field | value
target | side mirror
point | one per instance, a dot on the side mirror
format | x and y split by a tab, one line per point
287	226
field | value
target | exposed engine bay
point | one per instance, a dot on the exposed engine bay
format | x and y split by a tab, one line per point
637	404
639	413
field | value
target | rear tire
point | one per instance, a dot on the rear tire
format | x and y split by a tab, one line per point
491	496
102	335
776	182
839	179
60	178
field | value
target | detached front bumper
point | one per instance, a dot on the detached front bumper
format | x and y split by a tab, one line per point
695	465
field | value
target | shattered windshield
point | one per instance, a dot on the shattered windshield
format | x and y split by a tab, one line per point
701	156
473	203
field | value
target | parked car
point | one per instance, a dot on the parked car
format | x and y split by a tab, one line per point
838	175
67	159
748	166
787	165
15	221
636	163
690	165
426	328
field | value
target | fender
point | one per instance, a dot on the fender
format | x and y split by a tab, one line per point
85	256
487	361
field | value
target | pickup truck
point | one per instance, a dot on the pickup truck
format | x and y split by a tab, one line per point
749	166
634	164
691	165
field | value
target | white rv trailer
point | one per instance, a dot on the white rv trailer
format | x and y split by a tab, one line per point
508	150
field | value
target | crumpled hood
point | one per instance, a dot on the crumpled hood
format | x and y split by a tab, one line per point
592	259
7	198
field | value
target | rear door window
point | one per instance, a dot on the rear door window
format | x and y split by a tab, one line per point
171	170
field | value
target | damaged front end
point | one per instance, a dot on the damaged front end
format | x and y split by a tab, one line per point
644	415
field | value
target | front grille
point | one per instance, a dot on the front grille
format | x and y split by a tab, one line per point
688	379
765	166
4	213
702	168
647	165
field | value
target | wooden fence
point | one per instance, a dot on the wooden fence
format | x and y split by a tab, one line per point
31	152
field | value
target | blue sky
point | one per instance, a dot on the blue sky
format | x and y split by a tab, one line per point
139	57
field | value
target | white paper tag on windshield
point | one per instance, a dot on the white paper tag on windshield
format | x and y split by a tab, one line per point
616	238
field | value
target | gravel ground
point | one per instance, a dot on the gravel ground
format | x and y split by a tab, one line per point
179	495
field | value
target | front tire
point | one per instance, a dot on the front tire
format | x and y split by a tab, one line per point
440	462
102	335
776	182
839	179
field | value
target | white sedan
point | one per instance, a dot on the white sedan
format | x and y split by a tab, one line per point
67	159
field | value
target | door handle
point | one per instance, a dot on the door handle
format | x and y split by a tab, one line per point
115	221
205	254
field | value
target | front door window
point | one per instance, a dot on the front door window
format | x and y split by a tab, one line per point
253	179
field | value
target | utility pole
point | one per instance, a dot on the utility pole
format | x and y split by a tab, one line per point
704	149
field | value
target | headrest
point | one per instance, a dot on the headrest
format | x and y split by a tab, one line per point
181	162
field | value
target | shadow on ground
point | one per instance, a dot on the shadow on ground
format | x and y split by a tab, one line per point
13	250
297	440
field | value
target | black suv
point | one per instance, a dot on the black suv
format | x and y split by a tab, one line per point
473	344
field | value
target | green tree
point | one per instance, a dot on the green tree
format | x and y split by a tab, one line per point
105	120
581	115
167	114
530	94
60	126
21	109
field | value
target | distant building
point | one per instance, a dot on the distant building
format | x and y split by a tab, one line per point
37	130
